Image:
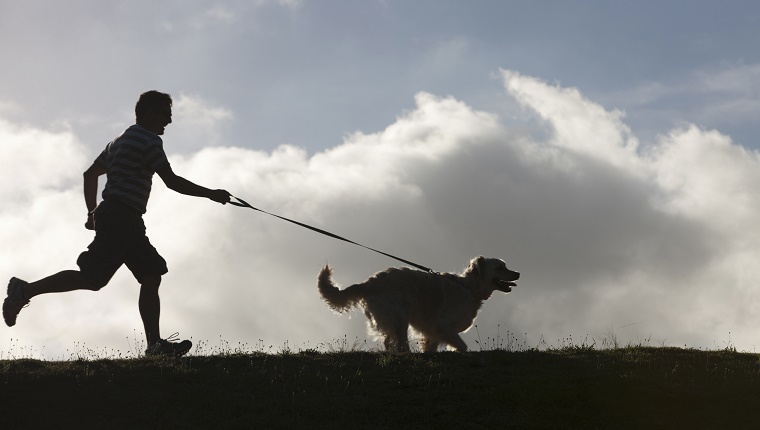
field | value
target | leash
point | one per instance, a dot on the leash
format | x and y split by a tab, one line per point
242	203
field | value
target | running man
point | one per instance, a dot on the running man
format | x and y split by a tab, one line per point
129	162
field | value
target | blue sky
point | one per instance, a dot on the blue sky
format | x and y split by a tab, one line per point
334	67
606	150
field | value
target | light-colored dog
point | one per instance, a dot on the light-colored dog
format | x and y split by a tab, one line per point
439	306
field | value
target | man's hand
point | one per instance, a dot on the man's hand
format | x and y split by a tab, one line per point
90	224
91	176
220	196
183	186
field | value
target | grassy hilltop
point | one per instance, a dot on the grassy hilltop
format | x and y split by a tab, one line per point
574	387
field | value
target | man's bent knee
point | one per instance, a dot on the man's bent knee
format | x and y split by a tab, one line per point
94	285
150	281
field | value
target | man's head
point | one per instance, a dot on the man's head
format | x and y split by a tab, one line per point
154	111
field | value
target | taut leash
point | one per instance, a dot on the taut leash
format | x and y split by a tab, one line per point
242	203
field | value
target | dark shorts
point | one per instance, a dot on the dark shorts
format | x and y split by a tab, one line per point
119	239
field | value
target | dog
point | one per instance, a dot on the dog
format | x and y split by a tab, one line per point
438	306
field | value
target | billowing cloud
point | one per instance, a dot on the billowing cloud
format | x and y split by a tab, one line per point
650	240
197	123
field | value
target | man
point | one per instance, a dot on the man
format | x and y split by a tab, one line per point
129	161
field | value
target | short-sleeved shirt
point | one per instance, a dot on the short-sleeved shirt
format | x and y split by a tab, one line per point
130	161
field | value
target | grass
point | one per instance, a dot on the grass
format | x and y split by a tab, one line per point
342	385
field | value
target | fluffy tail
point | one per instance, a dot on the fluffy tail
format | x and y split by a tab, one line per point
337	299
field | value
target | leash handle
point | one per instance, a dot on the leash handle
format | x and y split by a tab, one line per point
240	202
243	204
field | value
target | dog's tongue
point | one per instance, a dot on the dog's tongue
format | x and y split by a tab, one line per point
505	286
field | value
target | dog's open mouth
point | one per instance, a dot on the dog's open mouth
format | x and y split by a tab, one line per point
505	286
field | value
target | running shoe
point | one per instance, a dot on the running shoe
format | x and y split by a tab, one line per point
170	346
15	301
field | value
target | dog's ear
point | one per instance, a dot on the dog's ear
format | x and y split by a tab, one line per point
477	265
480	264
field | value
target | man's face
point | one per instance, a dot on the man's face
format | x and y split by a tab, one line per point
157	120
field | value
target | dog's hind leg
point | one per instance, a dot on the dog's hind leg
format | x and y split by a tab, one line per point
390	344
402	338
396	333
393	331
390	321
397	341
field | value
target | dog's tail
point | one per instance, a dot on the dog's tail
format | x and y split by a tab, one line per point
337	299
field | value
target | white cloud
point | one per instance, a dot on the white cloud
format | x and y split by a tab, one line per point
685	224
221	13
7	107
290	4
708	177
33	161
197	124
739	80
579	124
210	17
655	242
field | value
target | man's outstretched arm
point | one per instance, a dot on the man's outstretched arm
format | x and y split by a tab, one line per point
91	176
183	186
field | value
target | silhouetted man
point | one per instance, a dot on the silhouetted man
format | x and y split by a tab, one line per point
129	162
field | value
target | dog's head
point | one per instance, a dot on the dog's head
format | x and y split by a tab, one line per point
492	274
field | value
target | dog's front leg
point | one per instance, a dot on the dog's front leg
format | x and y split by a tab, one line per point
394	344
429	345
455	341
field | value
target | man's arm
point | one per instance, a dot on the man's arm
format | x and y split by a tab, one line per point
183	186
91	176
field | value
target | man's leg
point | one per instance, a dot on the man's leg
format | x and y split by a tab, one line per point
61	282
148	266
20	292
150	311
150	307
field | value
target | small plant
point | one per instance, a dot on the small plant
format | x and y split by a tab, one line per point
341	345
502	342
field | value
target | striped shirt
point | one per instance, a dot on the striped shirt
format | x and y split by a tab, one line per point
130	161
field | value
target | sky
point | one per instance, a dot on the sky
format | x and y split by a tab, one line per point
607	151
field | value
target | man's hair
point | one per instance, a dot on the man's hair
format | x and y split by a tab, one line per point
151	101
